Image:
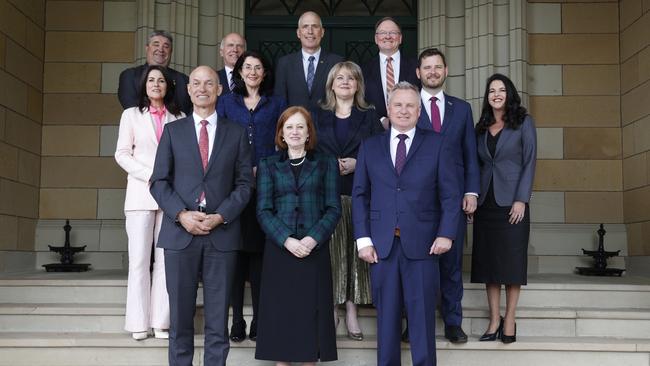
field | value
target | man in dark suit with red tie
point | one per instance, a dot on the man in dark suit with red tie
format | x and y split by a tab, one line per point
202	180
232	46
405	210
388	68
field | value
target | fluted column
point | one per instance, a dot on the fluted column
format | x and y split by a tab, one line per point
216	19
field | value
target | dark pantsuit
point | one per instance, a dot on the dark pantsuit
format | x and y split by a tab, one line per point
249	267
216	269
399	282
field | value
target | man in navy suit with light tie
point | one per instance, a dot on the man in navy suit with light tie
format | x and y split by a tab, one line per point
311	62
202	180
389	67
451	118
405	211
232	46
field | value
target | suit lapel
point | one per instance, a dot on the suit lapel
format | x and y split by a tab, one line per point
415	145
307	169
506	133
376	70
320	76
449	114
385	151
424	122
219	138
298	65
353	130
189	130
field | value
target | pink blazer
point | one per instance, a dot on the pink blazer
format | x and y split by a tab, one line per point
135	153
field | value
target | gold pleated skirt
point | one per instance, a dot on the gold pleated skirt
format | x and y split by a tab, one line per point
349	273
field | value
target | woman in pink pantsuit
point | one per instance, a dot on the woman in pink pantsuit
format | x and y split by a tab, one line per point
147	304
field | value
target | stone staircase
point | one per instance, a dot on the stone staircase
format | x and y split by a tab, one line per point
76	319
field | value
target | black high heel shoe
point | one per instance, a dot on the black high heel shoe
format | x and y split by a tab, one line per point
489	337
509	338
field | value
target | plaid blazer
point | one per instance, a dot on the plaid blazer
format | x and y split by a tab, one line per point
309	207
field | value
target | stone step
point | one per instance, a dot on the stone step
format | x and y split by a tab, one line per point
77	349
550	322
542	291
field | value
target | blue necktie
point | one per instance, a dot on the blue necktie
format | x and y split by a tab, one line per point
310	73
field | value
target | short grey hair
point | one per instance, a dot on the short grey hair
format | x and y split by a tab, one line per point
312	12
403	85
162	33
224	38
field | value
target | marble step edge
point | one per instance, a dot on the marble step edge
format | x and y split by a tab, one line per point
104	309
95	340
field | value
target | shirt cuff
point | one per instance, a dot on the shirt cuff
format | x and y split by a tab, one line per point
364	242
471	194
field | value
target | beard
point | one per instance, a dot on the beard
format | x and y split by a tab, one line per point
432	83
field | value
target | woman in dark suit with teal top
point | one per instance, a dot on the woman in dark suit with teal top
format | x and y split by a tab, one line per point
298	207
342	122
507	146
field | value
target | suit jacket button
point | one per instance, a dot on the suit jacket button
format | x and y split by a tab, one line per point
297	208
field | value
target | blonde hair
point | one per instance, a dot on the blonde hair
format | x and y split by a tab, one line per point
359	96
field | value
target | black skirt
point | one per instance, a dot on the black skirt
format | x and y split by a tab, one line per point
296	309
500	249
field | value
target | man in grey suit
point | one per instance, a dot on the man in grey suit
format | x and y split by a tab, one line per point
202	180
314	63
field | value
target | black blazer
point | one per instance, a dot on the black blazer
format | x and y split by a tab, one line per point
290	82
128	89
223	80
372	77
362	124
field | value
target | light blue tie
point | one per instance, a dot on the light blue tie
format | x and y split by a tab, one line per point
310	73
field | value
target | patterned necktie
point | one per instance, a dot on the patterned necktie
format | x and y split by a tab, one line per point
390	76
310	72
435	115
232	82
400	154
203	149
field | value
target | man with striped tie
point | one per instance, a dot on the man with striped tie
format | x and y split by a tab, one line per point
388	68
231	47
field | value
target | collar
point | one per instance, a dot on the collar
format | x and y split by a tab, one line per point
305	54
426	96
395	56
157	111
410	133
212	119
228	70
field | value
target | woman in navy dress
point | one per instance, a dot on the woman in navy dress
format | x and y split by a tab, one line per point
252	105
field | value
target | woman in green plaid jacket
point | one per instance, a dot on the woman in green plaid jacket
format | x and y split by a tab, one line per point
298	207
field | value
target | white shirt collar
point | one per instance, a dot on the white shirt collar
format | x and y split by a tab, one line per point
410	133
212	119
426	96
305	54
383	57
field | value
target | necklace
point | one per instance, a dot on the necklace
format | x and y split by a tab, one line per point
299	163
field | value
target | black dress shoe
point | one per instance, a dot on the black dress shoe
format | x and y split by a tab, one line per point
455	334
509	338
405	335
238	331
252	333
493	336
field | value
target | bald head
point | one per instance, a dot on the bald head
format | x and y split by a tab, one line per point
203	89
232	46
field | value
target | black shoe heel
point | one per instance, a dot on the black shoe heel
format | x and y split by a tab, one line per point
490	337
509	338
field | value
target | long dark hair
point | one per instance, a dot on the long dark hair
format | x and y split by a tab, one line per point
514	113
266	86
168	100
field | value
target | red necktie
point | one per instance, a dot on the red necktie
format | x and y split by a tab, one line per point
435	115
390	76
203	149
400	154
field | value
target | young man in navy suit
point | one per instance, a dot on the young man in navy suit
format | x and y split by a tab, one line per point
405	211
311	62
451	118
377	71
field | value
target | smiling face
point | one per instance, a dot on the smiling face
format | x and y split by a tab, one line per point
295	131
252	72
388	37
156	85
232	47
432	72
497	95
159	51
404	109
204	87
310	31
344	85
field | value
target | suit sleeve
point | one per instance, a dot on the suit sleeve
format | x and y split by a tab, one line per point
274	228
238	198
529	159
323	228
126	93
449	194
124	150
161	187
280	88
361	196
470	156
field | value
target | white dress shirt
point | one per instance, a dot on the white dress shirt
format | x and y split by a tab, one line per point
305	61
440	103
394	140
382	70
228	77
212	130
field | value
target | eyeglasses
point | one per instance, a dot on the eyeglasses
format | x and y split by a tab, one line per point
391	33
248	67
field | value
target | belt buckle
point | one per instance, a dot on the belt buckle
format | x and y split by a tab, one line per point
202	209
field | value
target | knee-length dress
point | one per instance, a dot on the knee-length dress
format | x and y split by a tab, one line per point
296	322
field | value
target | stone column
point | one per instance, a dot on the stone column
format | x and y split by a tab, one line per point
216	19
